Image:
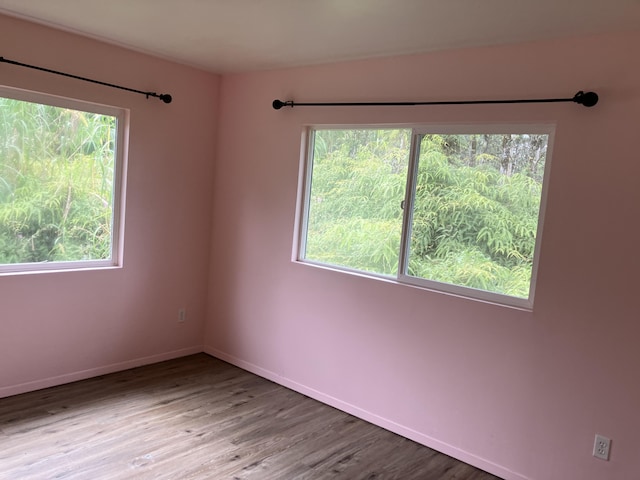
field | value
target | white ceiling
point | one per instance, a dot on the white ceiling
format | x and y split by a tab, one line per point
242	35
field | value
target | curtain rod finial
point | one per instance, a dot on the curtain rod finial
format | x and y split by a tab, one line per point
588	99
278	104
165	97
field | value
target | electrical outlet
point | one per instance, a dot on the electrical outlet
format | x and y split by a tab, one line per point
182	315
601	447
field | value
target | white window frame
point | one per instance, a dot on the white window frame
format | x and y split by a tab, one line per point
304	191
119	182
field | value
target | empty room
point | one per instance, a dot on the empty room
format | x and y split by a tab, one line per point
347	239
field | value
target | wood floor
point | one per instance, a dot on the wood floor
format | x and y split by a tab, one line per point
200	418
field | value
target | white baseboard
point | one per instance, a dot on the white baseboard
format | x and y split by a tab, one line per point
390	425
370	417
94	372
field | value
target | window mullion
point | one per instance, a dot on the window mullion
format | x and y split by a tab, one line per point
408	202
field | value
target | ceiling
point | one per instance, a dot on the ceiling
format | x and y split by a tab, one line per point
227	36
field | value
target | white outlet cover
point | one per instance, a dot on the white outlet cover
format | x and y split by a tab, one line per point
601	447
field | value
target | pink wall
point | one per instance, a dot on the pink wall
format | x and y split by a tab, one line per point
519	394
57	327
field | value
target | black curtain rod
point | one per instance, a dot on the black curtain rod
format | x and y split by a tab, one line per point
588	99
165	97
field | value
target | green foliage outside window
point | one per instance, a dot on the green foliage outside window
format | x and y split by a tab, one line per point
359	180
475	208
56	183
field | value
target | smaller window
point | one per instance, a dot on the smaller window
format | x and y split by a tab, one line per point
455	209
61	168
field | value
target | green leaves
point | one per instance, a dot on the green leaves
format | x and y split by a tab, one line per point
355	219
475	207
474	226
56	183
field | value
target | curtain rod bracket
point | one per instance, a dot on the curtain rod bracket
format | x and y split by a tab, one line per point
278	104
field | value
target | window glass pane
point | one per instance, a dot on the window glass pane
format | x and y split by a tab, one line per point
475	212
56	183
354	205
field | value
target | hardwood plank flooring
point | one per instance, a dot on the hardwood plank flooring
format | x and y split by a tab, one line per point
200	418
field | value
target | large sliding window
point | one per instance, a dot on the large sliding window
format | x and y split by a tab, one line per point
455	209
61	170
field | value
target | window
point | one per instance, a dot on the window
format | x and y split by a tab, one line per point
455	209
61	168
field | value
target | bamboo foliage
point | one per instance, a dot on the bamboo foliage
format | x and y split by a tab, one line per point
358	182
56	183
475	211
